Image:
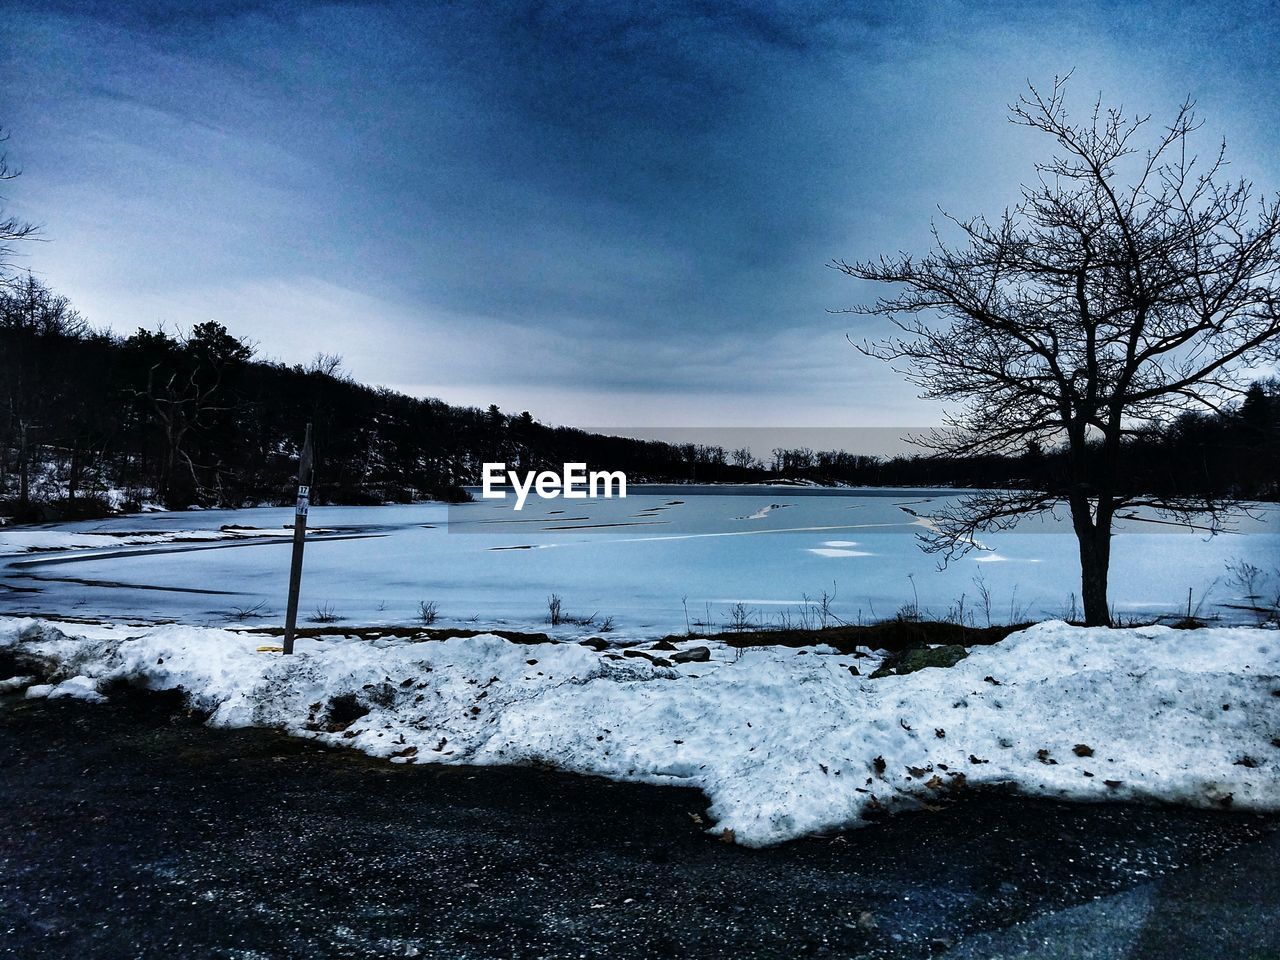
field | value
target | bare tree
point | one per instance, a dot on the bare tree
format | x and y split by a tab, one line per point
327	365
185	392
35	324
1126	286
12	229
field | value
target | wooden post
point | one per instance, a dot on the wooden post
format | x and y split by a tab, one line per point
299	538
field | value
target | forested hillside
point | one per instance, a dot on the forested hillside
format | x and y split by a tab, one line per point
92	421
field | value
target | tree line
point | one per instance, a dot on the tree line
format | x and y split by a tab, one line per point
92	421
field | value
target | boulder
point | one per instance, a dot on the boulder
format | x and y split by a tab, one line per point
918	658
656	661
692	655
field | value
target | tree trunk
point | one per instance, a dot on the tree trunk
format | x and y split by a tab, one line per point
73	475
24	468
1095	561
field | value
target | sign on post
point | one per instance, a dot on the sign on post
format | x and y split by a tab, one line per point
299	539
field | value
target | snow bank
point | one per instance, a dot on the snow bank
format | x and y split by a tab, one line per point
784	742
76	688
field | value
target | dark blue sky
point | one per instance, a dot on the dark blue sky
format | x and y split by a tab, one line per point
603	213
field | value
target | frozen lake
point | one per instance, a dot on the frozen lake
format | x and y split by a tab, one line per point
648	561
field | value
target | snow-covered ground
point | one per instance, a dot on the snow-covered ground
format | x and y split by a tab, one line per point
656	562
785	742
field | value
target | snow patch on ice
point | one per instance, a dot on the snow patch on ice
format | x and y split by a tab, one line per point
27	540
764	511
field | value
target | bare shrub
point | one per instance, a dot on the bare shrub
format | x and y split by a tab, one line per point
428	612
740	618
1245	576
1018	613
910	612
556	614
984	597
959	614
1070	610
1251	580
241	614
325	613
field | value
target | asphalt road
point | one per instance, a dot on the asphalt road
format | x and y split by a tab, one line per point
130	830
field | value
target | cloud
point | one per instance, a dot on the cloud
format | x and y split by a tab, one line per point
569	206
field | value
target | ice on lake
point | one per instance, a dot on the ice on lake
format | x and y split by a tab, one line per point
654	561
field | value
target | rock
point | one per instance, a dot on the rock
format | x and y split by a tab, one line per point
656	661
692	655
1082	750
595	643
663	645
918	658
